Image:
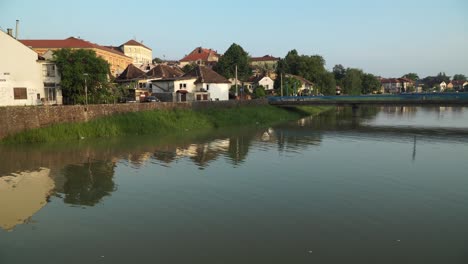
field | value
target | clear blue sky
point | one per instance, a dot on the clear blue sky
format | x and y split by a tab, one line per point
384	37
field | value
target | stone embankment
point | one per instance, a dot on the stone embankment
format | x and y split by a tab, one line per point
14	119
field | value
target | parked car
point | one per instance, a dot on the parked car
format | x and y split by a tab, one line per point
151	99
127	100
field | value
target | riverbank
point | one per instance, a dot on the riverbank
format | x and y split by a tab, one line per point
163	122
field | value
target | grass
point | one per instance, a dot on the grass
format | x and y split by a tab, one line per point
163	122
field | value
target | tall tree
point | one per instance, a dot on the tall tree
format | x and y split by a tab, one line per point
326	84
459	77
442	77
234	56
412	76
352	82
370	83
79	67
340	72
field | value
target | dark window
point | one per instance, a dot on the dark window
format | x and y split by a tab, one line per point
207	87
199	97
20	93
180	85
205	97
185	85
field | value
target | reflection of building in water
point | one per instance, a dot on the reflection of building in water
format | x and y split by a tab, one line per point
22	195
407	111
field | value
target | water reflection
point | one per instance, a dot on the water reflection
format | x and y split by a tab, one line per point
22	195
83	174
88	183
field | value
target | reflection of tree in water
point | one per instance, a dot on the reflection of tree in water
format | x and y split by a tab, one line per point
204	155
238	148
88	183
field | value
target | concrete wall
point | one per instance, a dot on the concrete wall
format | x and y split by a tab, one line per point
14	119
19	69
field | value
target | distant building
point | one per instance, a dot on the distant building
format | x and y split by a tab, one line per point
140	53
266	62
260	80
306	88
200	56
117	60
396	85
25	77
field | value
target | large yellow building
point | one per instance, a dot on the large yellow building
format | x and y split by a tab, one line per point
117	60
140	53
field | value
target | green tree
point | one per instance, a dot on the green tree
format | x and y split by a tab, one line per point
188	67
157	60
412	76
459	77
234	56
442	77
352	82
259	92
73	65
370	83
339	72
326	83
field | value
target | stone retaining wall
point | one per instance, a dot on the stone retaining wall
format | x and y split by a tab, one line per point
14	119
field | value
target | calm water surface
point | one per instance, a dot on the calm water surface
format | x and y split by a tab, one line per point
380	185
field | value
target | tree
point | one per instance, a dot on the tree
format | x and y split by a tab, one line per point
326	83
234	56
412	76
459	77
352	82
339	72
188	67
157	60
259	92
72	66
441	77
370	83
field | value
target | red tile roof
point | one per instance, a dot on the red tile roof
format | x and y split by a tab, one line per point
264	58
70	43
134	43
200	54
130	73
164	71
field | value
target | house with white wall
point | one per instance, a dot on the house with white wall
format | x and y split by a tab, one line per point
23	75
200	84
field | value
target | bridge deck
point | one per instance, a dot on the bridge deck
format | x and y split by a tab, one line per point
441	99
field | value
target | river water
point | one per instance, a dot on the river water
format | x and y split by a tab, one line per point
377	185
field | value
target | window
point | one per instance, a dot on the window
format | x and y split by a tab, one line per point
207	87
20	93
50	91
48	70
180	86
266	86
185	85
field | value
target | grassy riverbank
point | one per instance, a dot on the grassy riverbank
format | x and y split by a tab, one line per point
163	122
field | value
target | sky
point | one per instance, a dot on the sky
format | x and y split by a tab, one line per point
388	38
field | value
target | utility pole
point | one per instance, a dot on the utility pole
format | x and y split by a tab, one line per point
237	92
85	89
281	85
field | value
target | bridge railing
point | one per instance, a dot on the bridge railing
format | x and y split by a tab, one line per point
410	97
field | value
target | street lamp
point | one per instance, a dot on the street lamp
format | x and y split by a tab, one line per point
85	89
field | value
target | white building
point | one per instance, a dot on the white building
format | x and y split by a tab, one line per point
200	84
23	75
140	53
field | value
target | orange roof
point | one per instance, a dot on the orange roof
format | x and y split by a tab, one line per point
200	54
69	43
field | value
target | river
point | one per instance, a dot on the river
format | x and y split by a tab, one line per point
377	185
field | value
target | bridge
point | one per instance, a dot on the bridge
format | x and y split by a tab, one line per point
416	99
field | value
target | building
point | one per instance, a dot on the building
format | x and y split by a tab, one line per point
260	80
200	84
396	85
306	88
266	62
117	60
140	53
200	56
25	77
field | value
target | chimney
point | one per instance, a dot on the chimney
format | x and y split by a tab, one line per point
16	31
10	32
